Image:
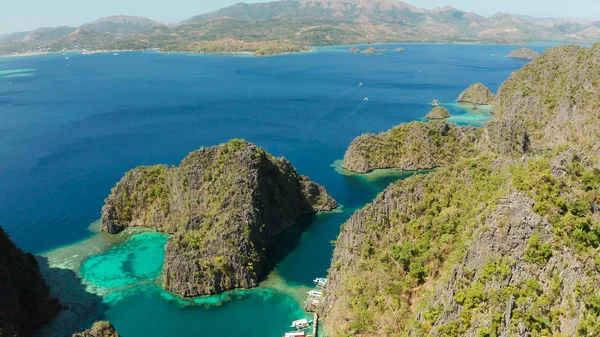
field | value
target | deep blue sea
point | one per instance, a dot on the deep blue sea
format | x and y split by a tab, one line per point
72	125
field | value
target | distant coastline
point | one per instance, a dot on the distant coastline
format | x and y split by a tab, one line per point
308	49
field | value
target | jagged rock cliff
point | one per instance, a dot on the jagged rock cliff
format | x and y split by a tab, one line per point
438	113
223	205
555	97
524	53
413	146
477	93
99	329
25	300
502	241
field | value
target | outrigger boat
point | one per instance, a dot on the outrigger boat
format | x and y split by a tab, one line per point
315	294
301	324
320	282
295	334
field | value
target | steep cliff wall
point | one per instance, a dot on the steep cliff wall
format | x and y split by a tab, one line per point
223	205
487	242
25	300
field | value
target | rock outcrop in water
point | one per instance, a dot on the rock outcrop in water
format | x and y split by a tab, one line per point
501	242
524	53
477	94
438	113
413	146
223	205
25	300
99	329
373	51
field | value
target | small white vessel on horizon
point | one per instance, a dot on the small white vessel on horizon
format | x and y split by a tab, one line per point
360	84
366	99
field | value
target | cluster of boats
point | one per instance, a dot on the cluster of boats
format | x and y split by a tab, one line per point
304	324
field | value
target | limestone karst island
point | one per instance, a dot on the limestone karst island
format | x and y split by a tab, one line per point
385	170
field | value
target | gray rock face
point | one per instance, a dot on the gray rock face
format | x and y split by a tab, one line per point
25	300
524	53
478	94
508	232
506	137
223	205
99	329
438	113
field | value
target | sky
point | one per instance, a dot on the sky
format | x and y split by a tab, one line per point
23	15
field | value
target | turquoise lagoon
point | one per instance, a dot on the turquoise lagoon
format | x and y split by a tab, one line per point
70	129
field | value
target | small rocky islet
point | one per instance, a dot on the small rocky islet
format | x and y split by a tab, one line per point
223	206
438	113
502	238
524	53
368	51
477	94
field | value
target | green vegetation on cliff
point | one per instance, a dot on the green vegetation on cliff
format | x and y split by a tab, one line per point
399	260
413	146
501	241
438	113
223	205
523	53
477	94
558	91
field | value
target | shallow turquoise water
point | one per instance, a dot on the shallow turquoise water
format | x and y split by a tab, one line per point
139	259
255	313
69	130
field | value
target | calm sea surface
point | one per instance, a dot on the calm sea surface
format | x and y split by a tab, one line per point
70	128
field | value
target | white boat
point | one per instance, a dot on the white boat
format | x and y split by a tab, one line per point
315	294
320	282
115	54
301	324
295	334
366	99
66	58
360	84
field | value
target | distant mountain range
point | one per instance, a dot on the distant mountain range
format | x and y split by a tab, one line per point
299	23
